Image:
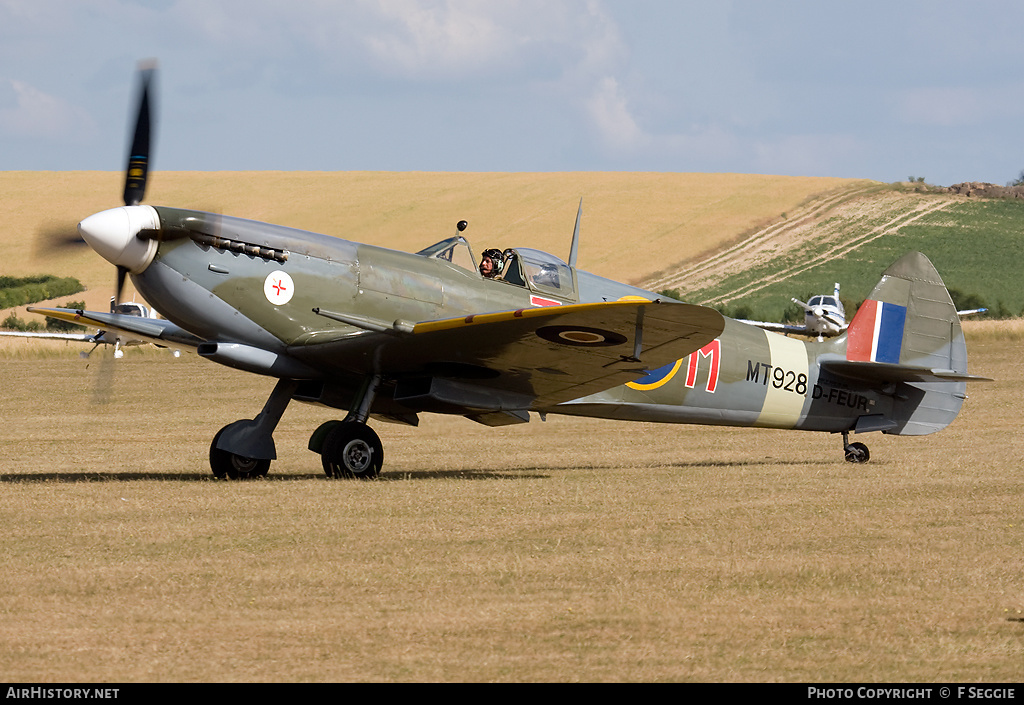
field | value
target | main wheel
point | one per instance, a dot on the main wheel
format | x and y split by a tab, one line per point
237	467
352	449
857	453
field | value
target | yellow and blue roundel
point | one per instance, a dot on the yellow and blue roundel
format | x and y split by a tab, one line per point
656	378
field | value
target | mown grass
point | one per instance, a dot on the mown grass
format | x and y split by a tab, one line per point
1009	331
571	550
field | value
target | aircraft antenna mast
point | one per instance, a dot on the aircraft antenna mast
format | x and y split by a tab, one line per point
574	249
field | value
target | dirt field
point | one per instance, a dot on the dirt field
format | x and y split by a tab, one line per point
570	550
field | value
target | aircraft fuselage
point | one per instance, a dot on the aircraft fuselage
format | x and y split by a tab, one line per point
746	377
391	334
275	289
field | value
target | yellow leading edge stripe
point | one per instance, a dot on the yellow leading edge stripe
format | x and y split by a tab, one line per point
533	312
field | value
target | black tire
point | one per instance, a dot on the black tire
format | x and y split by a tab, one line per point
352	450
235	467
857	453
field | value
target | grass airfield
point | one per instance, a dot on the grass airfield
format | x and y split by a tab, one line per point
568	550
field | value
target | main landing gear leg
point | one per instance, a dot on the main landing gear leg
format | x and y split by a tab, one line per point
855	452
244	449
350	448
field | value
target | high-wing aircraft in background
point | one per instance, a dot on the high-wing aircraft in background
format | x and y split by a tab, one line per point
389	335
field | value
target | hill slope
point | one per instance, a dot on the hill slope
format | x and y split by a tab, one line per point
851	237
633	224
721	239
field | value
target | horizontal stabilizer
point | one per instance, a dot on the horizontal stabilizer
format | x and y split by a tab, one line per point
874	422
907	336
872	372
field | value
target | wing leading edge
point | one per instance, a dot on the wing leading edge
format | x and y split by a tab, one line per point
154	330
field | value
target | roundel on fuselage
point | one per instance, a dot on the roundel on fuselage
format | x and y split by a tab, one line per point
278	287
656	378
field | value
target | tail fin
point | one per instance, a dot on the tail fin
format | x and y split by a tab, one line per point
909	319
907	334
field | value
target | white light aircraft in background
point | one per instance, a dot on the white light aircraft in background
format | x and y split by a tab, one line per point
100	337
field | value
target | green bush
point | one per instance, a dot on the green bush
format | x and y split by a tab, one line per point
16	291
964	301
12	322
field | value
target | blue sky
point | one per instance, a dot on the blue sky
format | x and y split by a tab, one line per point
879	90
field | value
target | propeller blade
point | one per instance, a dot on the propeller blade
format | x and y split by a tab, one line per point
139	154
122	274
54	237
103	378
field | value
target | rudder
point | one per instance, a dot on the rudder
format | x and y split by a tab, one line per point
910	320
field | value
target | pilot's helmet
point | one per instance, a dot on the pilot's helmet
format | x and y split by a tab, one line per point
495	256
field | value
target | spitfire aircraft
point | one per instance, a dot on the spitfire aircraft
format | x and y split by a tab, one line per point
389	335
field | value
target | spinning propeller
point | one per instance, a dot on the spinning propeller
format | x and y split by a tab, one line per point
137	171
125	236
138	156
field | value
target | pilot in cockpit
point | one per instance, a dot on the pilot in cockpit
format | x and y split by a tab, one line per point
491	264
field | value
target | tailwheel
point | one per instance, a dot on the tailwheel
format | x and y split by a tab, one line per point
236	467
855	452
352	450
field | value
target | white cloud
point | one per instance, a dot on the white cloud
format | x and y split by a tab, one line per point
419	37
37	114
530	40
557	84
414	39
610	115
